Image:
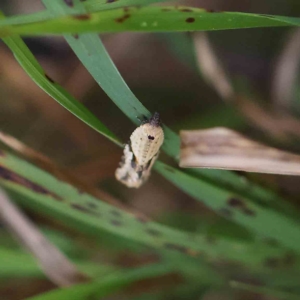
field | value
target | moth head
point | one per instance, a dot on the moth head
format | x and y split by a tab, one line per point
155	120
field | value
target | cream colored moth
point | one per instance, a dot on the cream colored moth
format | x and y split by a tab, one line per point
140	153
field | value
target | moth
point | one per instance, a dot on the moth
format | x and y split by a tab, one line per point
140	153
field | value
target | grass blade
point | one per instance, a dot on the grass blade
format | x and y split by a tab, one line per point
105	286
148	19
263	221
38	75
40	191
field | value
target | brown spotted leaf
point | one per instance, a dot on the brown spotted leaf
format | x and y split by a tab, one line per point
222	148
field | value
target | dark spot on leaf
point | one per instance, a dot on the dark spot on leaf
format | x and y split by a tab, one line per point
272	262
175	247
82	17
186	10
49	78
225	212
166	9
213	11
92	205
289	259
69	2
84	209
190	20
116	222
248	212
123	18
150	137
241	205
235	202
76	36
111	1
6	174
116	213
153	232
126	9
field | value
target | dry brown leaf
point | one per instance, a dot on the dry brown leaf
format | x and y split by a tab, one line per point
222	148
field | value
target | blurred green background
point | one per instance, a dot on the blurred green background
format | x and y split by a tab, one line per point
162	71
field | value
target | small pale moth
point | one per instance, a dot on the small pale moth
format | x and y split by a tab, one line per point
140	153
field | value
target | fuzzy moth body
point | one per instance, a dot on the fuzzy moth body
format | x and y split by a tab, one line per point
140	153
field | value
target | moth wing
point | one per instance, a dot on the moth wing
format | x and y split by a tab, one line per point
146	141
126	173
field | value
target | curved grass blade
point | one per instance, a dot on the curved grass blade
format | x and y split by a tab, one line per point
38	75
105	286
148	19
17	264
40	191
263	221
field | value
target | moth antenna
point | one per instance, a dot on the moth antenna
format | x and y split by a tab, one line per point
155	120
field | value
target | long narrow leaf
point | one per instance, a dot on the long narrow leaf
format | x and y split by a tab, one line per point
41	191
104	286
262	220
148	19
38	75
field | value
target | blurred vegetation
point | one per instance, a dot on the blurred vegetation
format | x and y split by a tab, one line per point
190	247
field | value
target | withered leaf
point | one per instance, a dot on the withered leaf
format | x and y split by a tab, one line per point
222	148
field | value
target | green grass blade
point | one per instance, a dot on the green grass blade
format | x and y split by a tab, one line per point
149	19
38	75
17	264
263	221
42	192
104	286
